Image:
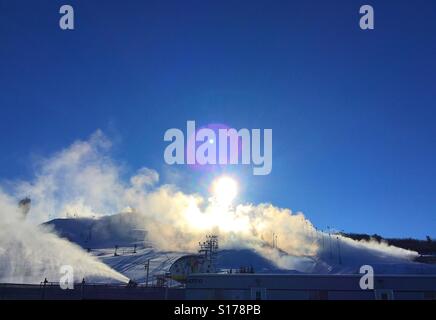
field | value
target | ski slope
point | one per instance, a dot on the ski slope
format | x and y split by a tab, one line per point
336	255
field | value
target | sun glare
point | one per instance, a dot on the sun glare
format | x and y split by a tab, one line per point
224	190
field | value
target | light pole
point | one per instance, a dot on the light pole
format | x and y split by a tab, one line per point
339	251
147	267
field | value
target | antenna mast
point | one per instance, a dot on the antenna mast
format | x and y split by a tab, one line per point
209	249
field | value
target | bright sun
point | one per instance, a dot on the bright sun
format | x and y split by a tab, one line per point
224	190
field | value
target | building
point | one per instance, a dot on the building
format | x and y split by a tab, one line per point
308	287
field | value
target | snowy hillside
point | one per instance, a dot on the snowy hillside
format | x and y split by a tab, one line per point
117	242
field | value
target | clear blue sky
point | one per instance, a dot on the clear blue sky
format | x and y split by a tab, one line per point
353	113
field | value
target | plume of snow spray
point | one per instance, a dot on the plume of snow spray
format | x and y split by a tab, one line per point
29	253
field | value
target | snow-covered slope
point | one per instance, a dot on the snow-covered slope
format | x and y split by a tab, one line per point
335	254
